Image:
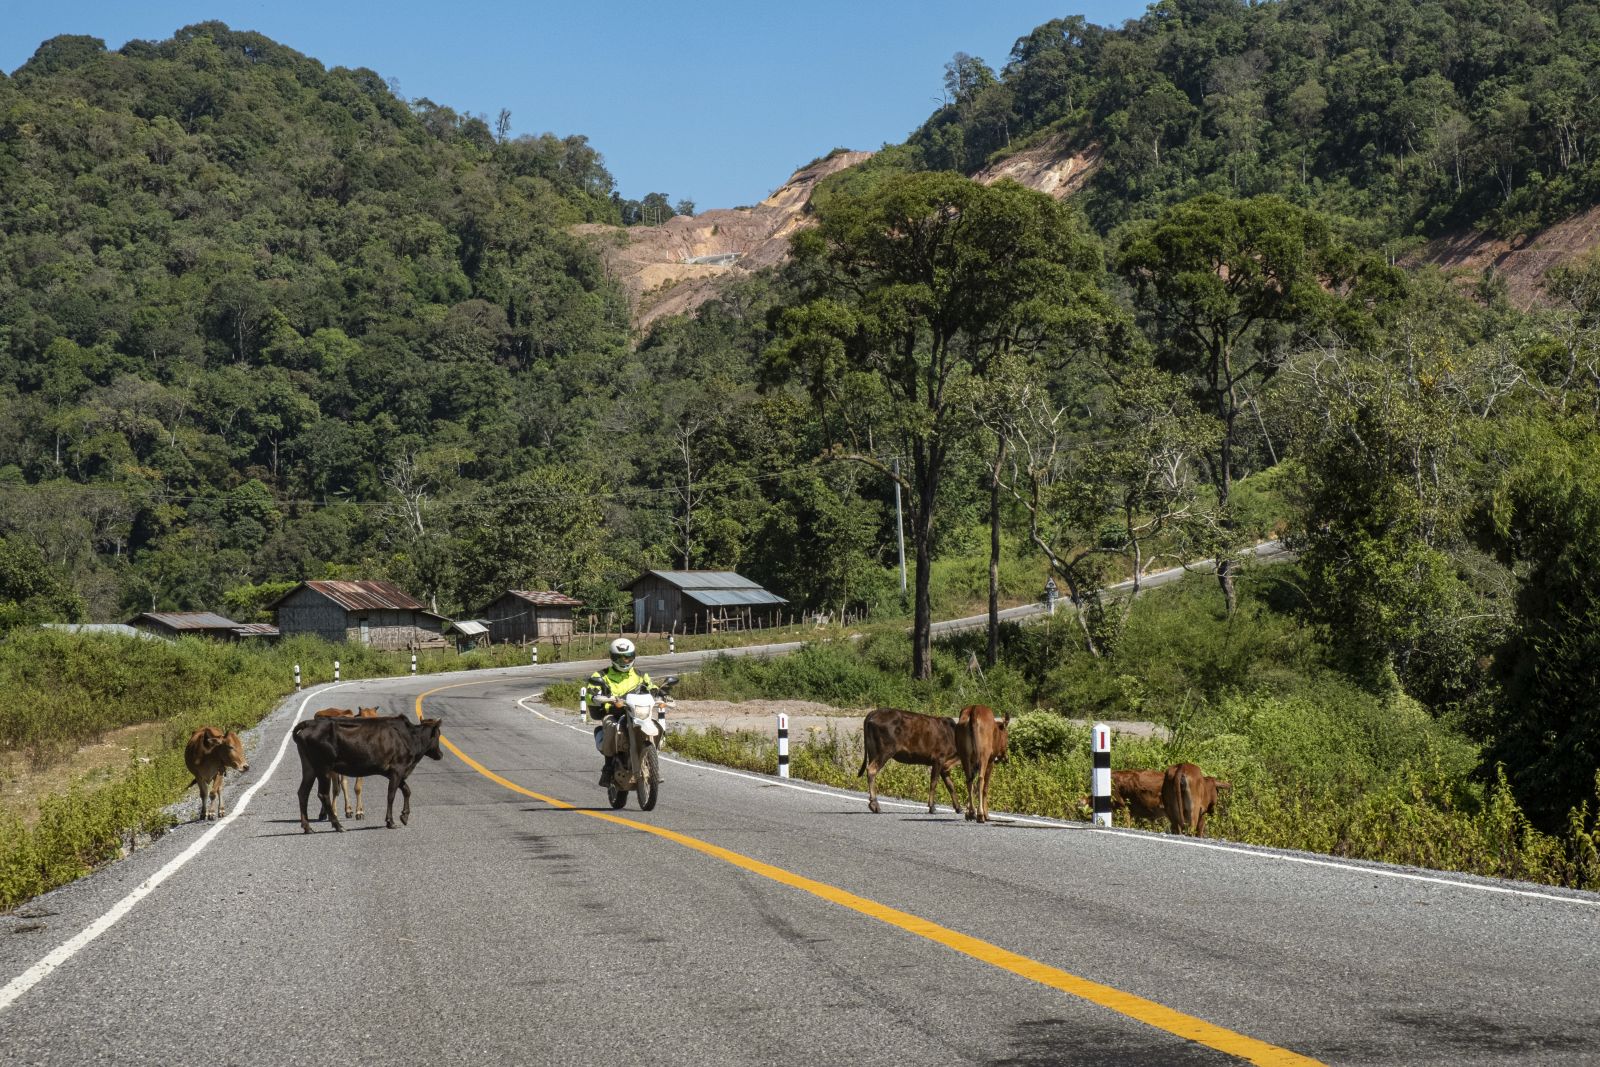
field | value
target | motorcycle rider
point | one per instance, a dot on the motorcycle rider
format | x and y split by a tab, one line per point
615	682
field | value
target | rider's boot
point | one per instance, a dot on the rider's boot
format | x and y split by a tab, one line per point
607	770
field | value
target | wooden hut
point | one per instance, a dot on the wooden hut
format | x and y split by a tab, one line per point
371	613
701	602
521	616
186	624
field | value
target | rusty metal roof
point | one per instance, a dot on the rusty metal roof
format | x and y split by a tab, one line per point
256	629
362	595
185	620
546	598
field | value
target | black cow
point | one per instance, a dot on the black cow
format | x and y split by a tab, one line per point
390	745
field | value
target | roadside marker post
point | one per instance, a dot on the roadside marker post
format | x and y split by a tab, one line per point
1102	774
583	703
783	745
336	670
672	644
297	677
536	653
413	664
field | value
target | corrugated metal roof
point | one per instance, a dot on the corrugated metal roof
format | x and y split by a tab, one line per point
469	628
116	629
688	580
724	598
362	596
185	620
546	598
256	629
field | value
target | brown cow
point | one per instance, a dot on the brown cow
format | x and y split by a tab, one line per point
390	745
340	784
982	741
209	753
925	740
1137	793
1187	796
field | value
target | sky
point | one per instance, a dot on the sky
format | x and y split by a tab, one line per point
717	102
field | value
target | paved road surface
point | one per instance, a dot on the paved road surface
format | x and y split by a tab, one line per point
517	920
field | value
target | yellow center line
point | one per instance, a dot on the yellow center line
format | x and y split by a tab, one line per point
1134	1007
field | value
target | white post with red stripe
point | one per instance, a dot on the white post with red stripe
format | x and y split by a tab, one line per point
783	745
1101	783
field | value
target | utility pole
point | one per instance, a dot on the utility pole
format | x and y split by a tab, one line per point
899	529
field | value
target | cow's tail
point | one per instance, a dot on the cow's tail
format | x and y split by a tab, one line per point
1187	801
863	769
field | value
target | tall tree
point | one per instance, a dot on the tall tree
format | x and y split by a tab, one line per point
1228	284
915	287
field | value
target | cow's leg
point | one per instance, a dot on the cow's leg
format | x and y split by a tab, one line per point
361	813
394	787
974	796
983	791
872	787
216	786
306	778
199	782
933	786
325	794
405	812
950	787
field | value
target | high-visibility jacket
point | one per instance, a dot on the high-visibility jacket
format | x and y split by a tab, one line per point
614	683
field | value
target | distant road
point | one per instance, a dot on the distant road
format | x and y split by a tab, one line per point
1273	551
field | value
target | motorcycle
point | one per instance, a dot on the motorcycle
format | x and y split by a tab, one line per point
631	730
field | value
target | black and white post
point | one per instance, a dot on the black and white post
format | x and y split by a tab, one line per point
583	703
536	653
783	745
297	677
413	664
336	670
1102	774
672	643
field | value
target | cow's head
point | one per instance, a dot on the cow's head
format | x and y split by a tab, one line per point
229	747
366	713
431	726
1002	738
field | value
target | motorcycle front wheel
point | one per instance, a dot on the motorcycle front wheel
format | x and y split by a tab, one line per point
617	797
646	786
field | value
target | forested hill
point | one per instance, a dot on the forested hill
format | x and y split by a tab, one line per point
1402	118
236	285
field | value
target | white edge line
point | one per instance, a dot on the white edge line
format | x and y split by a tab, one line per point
69	948
1132	835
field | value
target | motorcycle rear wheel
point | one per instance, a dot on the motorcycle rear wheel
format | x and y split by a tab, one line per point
647	785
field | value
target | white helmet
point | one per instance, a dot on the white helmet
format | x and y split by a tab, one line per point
622	653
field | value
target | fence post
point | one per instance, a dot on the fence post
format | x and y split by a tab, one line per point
783	745
336	670
413	664
1102	774
297	677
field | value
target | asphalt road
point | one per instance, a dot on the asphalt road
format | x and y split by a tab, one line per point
517	920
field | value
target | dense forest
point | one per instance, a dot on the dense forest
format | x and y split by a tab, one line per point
262	321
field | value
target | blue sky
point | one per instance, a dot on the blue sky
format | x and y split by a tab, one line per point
717	102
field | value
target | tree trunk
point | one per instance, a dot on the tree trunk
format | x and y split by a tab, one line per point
992	654
922	618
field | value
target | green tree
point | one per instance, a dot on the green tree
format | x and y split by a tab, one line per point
1227	284
914	288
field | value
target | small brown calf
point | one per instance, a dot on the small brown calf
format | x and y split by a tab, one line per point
340	784
209	752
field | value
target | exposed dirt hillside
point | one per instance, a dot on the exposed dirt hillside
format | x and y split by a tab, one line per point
1523	263
1053	166
657	264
